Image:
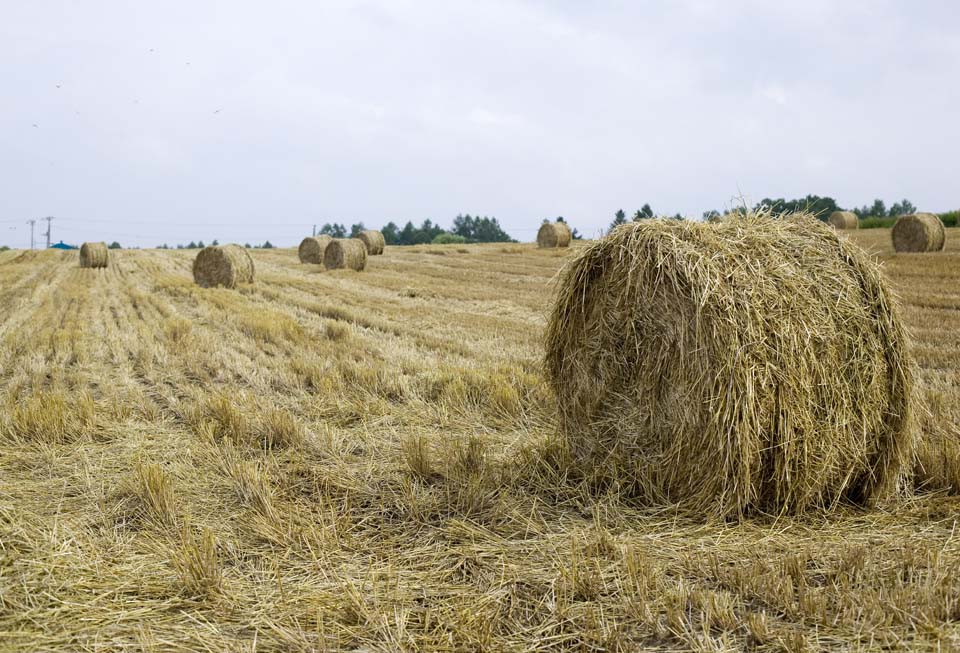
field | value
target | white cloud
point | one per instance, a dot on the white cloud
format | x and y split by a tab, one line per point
381	110
775	93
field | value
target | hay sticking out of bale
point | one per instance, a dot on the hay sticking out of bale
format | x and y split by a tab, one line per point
94	255
312	248
345	253
753	364
223	265
374	241
844	220
554	234
921	232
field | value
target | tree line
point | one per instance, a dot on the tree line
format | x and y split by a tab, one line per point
877	213
465	229
199	245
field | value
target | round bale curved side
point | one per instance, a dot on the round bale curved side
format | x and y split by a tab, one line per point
223	265
312	248
554	234
373	241
94	255
748	365
920	232
345	253
844	220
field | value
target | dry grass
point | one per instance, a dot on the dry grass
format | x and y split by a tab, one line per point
94	255
312	248
182	469
346	253
373	241
920	232
750	364
223	265
843	220
554	234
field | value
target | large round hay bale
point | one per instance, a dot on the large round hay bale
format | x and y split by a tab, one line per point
374	241
554	234
920	232
844	220
223	265
94	255
345	253
752	364
312	248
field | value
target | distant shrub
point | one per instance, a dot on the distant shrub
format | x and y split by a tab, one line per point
114	245
447	238
951	218
877	223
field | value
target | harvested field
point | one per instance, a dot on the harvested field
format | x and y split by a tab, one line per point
331	461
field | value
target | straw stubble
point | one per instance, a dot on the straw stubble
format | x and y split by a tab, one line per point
753	364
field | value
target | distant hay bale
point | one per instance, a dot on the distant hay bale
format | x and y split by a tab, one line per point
920	232
554	234
223	265
752	364
312	248
374	241
94	255
844	220
345	253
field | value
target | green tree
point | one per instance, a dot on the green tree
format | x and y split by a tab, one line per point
114	245
903	207
334	230
822	207
480	230
711	216
267	245
390	233
407	234
619	218
355	229
643	213
879	209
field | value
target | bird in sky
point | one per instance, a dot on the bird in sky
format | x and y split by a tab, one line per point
217	111
35	125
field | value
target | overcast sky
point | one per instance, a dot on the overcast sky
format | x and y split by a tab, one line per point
151	122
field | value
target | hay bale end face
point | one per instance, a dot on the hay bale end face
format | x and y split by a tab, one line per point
749	365
312	248
94	255
844	220
374	241
345	253
223	265
920	232
554	234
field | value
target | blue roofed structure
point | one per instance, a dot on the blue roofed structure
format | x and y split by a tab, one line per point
62	245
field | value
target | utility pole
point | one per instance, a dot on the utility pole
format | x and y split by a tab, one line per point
49	219
314	231
31	223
